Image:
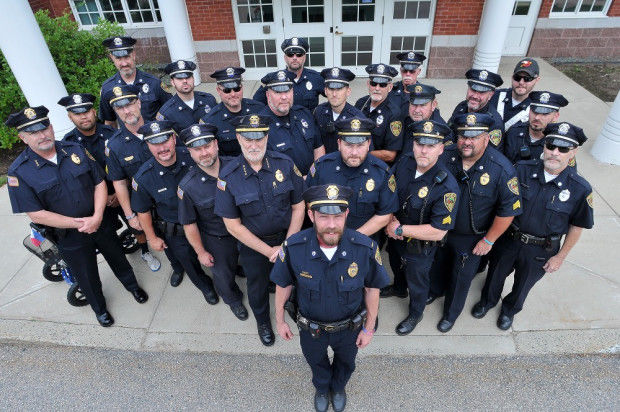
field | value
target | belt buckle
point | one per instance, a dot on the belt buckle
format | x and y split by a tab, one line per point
523	238
329	328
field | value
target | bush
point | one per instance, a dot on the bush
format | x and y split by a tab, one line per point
80	57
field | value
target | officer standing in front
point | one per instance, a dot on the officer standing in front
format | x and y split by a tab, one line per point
151	94
488	203
60	185
204	230
557	202
337	272
410	68
229	86
369	177
337	90
260	198
187	106
307	83
155	187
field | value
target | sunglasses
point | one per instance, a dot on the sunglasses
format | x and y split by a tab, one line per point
518	77
382	85
291	54
226	90
561	149
408	71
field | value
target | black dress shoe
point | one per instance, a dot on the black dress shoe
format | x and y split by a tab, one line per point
407	325
240	271
211	297
265	333
105	319
321	402
479	310
504	322
444	325
430	298
176	279
339	401
239	311
140	295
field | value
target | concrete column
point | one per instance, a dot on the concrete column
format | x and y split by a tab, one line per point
492	34
607	145
179	33
30	61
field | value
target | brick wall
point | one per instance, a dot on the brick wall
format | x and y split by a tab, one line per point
56	7
211	19
577	43
152	50
457	17
210	62
449	62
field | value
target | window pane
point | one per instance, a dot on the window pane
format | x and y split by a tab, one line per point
315	2
298	3
259	47
586	5
272	61
298	15
399	10
136	17
318	59
349	43
261	60
120	17
242	2
571	5
271	46
349	13
157	14
395	43
246	45
348	59
521	8
599	5
420	43
408	43
244	15
393	58
317	44
367	13
412	10
364	59
558	6
349	2
315	14
268	13
424	10
364	43
249	61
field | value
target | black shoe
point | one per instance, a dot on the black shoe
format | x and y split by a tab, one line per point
339	401
211	297
240	271
321	402
504	322
239	311
444	325
265	333
105	319
176	279
479	310
430	298
407	325
140	295
272	287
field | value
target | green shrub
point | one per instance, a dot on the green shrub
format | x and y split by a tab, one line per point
80	58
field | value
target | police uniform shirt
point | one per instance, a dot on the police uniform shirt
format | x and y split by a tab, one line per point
439	200
66	188
388	131
401	98
324	116
496	130
196	195
125	154
183	116
156	185
330	290
509	111
494	190
518	137
408	138
263	199
295	135
96	143
306	90
374	186
152	96
223	119
550	208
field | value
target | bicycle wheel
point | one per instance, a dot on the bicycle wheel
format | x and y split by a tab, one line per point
75	296
128	241
51	272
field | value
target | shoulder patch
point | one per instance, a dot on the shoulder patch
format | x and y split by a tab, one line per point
495	136
449	200
590	200
392	183
134	184
572	162
221	184
396	127
513	185
12	181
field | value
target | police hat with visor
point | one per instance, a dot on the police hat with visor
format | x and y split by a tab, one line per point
381	73
564	135
228	78
483	80
122	95
428	131
421	93
472	124
157	131
180	69
337	78
546	102
280	81
354	130
29	119
252	126
198	135
330	199
295	45
410	60
78	102
119	46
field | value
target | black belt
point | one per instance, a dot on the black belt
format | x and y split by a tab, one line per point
316	327
548	242
418	246
169	228
275	236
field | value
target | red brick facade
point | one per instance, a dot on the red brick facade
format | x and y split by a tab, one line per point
56	7
457	17
211	19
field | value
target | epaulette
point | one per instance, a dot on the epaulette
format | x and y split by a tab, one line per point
580	180
188	176
148	165
299	237
359	238
230	167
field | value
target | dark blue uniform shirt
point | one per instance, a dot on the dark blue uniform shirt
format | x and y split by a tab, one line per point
263	199
325	119
306	90
400	98
330	290
496	131
388	131
509	111
181	115
125	154
517	137
374	186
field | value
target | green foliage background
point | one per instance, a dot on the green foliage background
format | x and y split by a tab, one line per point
80	58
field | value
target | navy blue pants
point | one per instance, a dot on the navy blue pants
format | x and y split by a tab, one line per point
328	376
395	252
417	273
184	253
225	256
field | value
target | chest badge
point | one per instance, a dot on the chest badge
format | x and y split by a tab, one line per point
308	85
352	270
145	88
370	185
304	123
564	195
423	192
76	159
484	179
279	175
379	120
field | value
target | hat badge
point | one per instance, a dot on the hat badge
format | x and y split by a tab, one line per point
30	113
294	41
118	41
544	98
77	99
428	127
117	91
563	128
195	130
181	64
335	72
471	120
281	75
418	89
380	68
411	55
332	192
355	125
483	75
230	72
155	128
254	120
526	63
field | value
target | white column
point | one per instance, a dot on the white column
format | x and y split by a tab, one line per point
492	33
607	145
25	50
179	33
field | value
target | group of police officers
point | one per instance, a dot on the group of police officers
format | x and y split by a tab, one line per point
286	191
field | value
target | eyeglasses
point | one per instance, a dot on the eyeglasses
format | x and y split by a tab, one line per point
526	78
382	85
291	54
561	149
226	90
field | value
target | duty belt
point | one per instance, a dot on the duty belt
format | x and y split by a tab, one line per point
169	228
275	236
548	242
418	246
316	328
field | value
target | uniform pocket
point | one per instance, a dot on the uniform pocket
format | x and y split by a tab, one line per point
249	203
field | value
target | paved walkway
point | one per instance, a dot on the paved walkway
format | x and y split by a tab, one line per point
575	310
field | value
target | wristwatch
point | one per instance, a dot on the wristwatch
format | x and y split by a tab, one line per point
399	230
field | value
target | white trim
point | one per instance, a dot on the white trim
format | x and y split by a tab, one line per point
454	41
579	23
579	14
126	26
209	46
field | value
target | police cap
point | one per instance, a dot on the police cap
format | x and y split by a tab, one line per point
280	81
228	78
472	124
337	78
483	80
421	93
252	126
330	199
410	60
157	131
29	119
381	73
564	134
295	45
119	46
428	131
122	95
198	134
355	129
78	102
546	102
180	69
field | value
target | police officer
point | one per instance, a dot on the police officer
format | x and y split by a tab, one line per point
151	93
229	86
337	272
513	103
155	186
557	202
187	106
410	68
292	130
125	153
427	194
524	141
488	203
369	177
60	185
259	197
387	137
307	83
337	90
205	231
481	85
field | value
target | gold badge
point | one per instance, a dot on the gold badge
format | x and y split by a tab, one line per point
279	175
30	113
332	192
446	220
423	192
352	271
370	185
418	89
75	158
471	120
428	127
484	179
449	200
254	120
355	125
590	200
297	171
396	127
516	205
378	255
513	185
495	136
392	183
117	91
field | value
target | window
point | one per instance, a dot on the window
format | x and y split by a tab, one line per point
316	54
259	53
307	11
356	50
579	8
129	13
255	11
521	8
358	10
412	9
405	44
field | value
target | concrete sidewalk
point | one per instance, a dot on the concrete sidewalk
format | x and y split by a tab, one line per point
575	310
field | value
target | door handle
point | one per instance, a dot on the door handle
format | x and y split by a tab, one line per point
338	32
